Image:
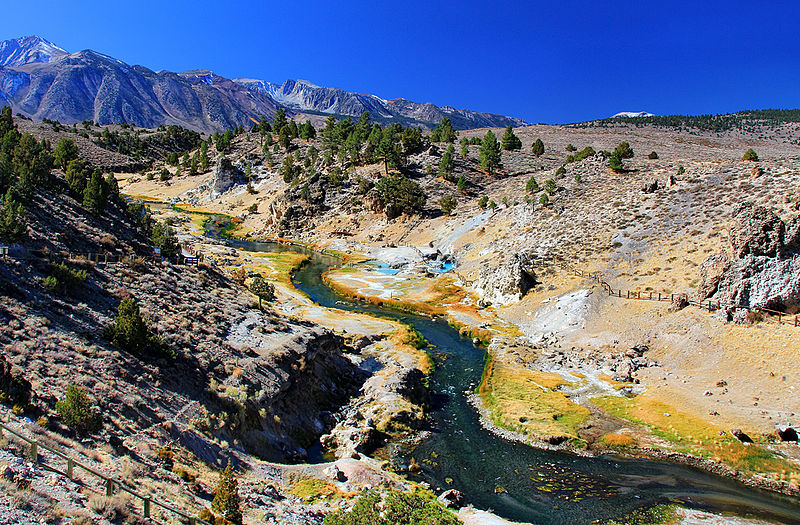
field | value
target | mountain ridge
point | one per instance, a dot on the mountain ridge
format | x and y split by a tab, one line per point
43	81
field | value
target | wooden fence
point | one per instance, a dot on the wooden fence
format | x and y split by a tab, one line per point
780	317
110	484
108	258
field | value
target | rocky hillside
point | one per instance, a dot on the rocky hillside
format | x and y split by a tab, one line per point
40	80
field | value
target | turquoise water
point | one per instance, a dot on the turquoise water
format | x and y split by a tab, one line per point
523	483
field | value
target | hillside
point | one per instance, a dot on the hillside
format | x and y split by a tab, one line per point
649	228
492	248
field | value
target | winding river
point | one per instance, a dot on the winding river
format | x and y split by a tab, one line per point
523	483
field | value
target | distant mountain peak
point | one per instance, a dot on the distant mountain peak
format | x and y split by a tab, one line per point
27	50
629	114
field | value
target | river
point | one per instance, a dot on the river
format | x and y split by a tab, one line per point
520	482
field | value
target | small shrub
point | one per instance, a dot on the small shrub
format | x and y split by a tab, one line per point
253	208
623	150
76	411
62	278
262	289
448	204
165	175
483	201
130	332
570	147
561	171
751	155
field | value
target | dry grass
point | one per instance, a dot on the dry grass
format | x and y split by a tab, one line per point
690	434
525	401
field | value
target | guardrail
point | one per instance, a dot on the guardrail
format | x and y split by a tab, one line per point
780	317
110	484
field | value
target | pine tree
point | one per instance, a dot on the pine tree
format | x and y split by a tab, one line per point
93	195
285	138
489	158
624	151
112	188
461	185
446	164
510	141
532	186
444	132
226	499
544	199
279	120
538	148
294	132
12	221
65	151
615	163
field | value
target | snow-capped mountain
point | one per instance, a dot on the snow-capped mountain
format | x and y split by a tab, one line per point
28	49
633	114
305	96
41	80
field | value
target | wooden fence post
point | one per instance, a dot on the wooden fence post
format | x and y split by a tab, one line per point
35	453
70	467
109	487
146	509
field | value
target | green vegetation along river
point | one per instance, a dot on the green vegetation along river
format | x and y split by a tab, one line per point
523	483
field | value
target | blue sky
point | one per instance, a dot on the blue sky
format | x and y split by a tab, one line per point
554	62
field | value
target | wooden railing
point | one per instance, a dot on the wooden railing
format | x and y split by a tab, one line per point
780	317
110	484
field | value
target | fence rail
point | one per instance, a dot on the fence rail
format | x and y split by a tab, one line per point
108	258
780	317
110	483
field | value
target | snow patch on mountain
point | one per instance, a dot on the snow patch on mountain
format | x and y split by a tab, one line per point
629	114
28	49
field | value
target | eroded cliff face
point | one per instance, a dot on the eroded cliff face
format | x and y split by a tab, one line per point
764	269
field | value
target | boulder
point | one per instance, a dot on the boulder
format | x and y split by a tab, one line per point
508	283
711	271
791	238
787	434
758	231
650	187
452	499
740	435
15	389
334	473
679	302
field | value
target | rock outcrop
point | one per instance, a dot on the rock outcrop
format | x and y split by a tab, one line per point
510	282
765	269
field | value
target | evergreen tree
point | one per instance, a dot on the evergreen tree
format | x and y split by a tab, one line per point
76	177
624	151
538	148
279	120
489	158
615	163
544	199
388	152
65	151
285	138
112	188
532	186
13	226
448	204
6	121
461	185
76	411
446	164
444	132
482	202
510	141
263	128
550	186
307	131
93	195
294	132
129	331
226	499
